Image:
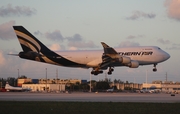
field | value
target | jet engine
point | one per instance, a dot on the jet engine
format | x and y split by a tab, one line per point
123	60
133	64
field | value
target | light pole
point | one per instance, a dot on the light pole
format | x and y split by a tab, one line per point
46	80
16	80
146	79
90	83
18	73
57	81
113	82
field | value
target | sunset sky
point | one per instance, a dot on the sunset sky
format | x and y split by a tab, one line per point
82	25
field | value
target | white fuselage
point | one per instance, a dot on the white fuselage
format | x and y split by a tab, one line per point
11	88
145	55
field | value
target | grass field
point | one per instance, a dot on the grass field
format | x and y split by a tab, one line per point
38	107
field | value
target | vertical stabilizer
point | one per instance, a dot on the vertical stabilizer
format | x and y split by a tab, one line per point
27	41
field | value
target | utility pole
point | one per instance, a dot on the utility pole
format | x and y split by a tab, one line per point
46	80
113	82
90	83
57	79
146	80
56	76
16	80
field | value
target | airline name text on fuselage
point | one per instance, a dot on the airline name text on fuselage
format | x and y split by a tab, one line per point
136	53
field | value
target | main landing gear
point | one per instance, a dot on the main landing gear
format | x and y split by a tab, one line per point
97	71
110	70
154	69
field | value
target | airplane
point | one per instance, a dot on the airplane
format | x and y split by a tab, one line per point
11	88
98	60
110	90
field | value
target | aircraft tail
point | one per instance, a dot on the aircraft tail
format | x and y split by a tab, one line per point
7	85
33	49
27	41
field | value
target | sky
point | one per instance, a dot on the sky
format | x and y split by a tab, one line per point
82	25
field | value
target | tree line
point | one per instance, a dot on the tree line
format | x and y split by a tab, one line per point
11	80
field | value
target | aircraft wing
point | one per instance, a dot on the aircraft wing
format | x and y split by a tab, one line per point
111	57
107	56
107	49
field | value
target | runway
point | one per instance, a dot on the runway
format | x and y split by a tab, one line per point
90	97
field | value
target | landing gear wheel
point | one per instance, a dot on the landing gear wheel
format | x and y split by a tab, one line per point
109	73
154	69
94	72
112	69
100	71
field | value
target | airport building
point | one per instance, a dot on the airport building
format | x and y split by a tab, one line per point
60	84
49	81
123	86
62	81
166	86
21	81
51	85
44	87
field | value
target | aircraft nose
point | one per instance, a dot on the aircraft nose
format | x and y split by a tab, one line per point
166	56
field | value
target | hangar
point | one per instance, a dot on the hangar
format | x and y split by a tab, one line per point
45	87
166	86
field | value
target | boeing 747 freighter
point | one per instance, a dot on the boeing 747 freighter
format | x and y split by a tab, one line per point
98	60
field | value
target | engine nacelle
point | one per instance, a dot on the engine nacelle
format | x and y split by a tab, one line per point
125	60
133	64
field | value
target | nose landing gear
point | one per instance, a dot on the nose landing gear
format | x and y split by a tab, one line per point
154	69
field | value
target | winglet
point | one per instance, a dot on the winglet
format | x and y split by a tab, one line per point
104	45
107	49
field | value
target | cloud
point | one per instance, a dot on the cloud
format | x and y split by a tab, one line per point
74	42
37	32
131	37
77	41
75	38
173	9
138	14
6	31
174	47
128	44
55	47
134	37
73	48
10	10
162	41
55	36
82	44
